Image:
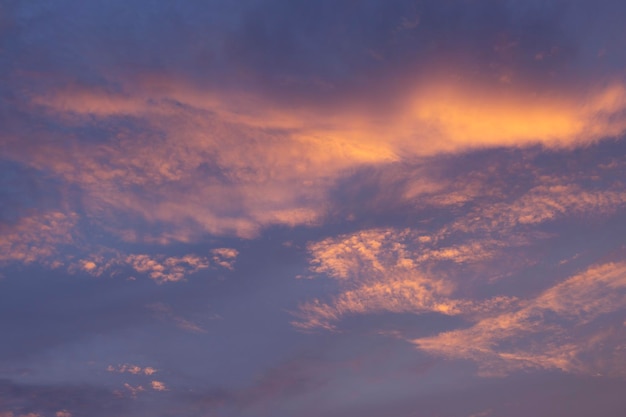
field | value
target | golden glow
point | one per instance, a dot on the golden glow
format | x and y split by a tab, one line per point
274	165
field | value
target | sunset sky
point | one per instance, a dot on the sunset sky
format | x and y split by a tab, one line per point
325	208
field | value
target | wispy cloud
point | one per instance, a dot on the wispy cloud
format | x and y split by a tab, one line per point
555	330
379	272
427	270
134	390
541	204
166	313
387	270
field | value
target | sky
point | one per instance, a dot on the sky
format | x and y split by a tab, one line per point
279	208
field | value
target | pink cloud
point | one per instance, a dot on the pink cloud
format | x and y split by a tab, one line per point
158	386
37	238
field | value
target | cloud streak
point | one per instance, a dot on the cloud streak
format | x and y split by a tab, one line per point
555	330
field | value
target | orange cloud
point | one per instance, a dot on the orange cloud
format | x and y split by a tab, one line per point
224	163
386	270
554	330
464	118
411	271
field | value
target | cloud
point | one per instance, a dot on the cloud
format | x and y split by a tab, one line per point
142	373
483	413
225	257
460	118
450	268
271	175
134	390
166	313
37	237
183	126
170	269
131	369
541	204
567	326
10	414
387	270
255	125
160	268
555	330
158	386
174	165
